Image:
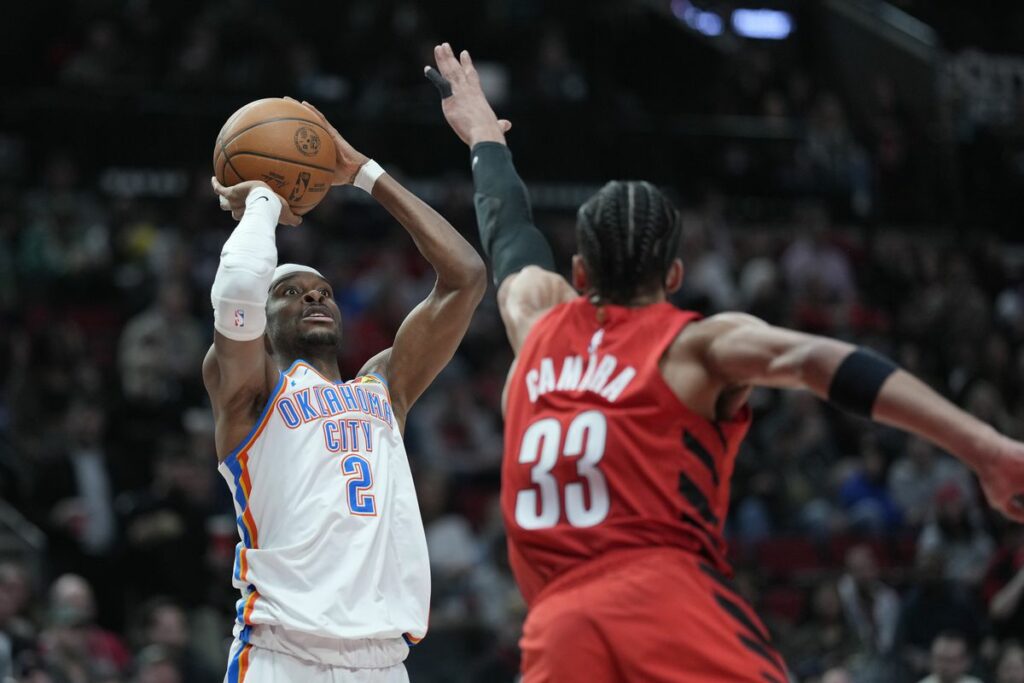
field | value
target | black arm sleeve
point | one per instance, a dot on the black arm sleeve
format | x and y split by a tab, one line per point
510	239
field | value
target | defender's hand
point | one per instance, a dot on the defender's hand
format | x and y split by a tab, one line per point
1002	477
233	199
349	160
466	109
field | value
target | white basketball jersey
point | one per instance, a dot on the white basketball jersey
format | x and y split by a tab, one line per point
332	540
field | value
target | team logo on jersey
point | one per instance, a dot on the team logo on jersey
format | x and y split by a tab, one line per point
307	142
595	341
239	317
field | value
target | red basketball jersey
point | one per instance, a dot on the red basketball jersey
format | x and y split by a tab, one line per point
600	454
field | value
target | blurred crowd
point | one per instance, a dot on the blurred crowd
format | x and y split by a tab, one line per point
872	556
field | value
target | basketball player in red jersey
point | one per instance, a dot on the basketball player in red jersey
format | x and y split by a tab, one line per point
623	418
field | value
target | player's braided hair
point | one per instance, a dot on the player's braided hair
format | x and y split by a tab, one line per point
628	235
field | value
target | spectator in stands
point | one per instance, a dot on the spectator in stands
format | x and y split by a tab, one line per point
958	530
166	525
73	645
156	664
812	263
1004	585
710	285
1010	664
160	348
916	477
871	608
165	630
454	430
864	496
74	501
15	603
936	604
823	639
950	660
837	675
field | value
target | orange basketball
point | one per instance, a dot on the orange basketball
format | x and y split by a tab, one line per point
281	143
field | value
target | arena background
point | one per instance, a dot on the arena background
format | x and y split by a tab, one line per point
848	167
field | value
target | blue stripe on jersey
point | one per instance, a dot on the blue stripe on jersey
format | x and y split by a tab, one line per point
236	472
238	559
234	664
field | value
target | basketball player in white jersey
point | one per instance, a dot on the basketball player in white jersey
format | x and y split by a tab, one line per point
332	563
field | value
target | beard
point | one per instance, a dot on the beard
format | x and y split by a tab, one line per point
317	337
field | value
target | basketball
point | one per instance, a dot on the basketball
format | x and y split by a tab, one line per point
281	143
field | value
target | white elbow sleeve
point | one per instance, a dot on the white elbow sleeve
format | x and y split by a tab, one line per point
247	262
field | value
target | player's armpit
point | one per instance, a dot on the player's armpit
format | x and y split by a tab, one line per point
525	296
238	377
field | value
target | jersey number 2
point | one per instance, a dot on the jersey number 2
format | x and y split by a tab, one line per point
357	471
541	444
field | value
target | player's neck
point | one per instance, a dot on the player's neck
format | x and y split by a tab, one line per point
642	299
323	364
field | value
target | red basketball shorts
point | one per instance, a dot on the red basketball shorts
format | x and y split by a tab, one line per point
655	615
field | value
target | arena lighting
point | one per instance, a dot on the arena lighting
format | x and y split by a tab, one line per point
708	23
762	24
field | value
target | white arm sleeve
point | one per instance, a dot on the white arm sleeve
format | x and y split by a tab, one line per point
247	262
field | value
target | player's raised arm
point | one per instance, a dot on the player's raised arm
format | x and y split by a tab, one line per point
429	335
237	371
509	237
742	350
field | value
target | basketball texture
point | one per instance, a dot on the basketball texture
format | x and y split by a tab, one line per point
281	143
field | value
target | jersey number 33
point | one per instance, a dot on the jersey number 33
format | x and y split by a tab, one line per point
541	505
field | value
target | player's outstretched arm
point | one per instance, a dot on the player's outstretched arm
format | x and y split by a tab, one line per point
429	335
521	259
741	350
237	371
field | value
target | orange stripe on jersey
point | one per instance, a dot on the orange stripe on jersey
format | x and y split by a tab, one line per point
243	663
246	484
243	564
250	602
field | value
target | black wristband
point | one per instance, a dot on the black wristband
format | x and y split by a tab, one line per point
858	380
509	238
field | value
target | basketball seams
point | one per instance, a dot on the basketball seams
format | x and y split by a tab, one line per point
294	162
278	119
227	162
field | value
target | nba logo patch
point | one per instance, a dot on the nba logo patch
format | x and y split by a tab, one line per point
239	317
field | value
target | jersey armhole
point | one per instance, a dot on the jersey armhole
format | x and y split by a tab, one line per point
672	333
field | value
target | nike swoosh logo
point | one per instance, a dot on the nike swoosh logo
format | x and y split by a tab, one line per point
266	199
475	159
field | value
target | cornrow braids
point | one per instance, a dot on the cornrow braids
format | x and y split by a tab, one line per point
628	234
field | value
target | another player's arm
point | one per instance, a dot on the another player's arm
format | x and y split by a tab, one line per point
520	257
237	371
429	335
740	350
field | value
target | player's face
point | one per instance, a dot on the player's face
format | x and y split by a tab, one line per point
302	313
